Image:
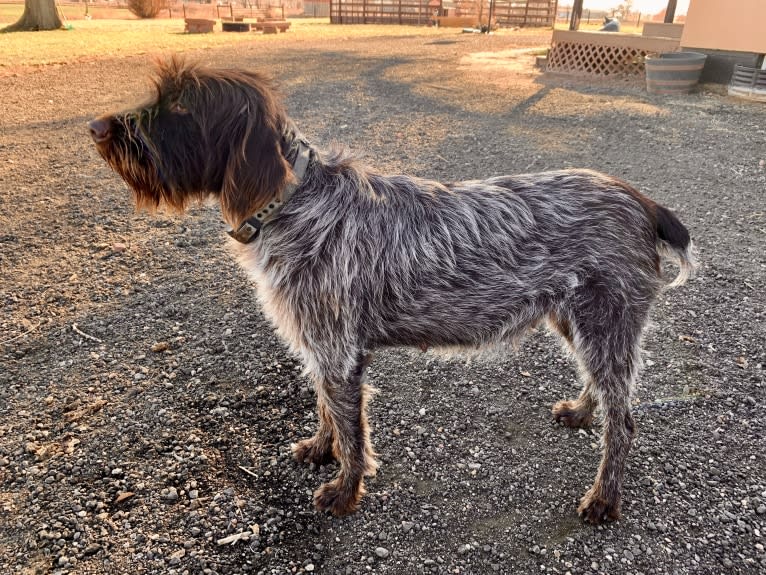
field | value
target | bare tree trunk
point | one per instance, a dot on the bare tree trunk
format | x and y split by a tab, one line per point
38	15
574	21
670	12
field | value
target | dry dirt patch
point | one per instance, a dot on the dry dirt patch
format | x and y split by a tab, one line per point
475	478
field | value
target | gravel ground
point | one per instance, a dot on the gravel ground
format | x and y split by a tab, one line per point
146	408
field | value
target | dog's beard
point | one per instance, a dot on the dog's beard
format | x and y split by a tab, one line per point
131	151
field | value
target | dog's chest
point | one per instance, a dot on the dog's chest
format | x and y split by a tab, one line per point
274	302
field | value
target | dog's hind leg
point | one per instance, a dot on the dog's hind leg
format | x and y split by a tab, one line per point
607	338
345	402
578	412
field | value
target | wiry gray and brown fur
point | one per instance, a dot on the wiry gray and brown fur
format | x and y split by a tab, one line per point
357	260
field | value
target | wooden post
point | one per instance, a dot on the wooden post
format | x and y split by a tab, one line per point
231	11
670	13
574	22
489	15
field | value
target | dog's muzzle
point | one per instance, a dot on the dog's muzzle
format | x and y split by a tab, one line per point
99	130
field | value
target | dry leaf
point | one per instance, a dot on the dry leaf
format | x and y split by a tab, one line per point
741	362
85	410
123	496
688	338
160	346
68	444
231	539
526	374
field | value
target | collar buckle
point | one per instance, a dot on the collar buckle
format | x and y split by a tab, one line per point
248	231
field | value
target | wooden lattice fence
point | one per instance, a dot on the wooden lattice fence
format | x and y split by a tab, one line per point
603	53
421	12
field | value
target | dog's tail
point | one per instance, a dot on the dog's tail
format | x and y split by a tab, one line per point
674	243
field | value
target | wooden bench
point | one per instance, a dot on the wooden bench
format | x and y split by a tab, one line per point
272	26
229	26
198	25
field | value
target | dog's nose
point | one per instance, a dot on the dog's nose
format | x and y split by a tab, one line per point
99	129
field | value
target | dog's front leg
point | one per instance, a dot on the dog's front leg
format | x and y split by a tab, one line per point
342	401
317	449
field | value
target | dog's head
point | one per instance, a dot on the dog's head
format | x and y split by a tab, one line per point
204	132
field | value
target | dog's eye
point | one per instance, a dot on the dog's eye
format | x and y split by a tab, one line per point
178	108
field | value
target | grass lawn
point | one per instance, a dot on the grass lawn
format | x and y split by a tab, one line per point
104	38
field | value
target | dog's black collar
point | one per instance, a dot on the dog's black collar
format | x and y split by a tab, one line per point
298	152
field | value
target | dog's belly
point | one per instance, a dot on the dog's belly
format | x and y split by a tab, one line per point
460	320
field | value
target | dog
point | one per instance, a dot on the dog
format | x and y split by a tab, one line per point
610	25
346	260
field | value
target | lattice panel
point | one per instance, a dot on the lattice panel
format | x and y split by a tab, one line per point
595	59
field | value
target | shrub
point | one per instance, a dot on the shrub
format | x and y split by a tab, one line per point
146	8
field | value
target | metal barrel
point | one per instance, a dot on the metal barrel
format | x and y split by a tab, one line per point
673	72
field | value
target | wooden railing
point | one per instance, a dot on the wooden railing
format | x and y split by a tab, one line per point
372	12
532	13
506	12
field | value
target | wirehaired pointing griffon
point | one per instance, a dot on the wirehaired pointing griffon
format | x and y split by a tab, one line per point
346	259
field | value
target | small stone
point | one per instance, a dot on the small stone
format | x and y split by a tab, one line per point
628	555
171	495
761	509
309	567
727	562
463	549
92	549
407	526
382	552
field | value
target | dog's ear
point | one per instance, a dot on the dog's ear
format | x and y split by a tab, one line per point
256	170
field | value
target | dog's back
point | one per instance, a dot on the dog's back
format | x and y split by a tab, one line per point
474	262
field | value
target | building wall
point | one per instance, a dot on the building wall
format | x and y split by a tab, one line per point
733	25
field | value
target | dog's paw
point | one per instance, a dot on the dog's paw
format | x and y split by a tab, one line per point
371	466
596	509
338	498
313	450
572	414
